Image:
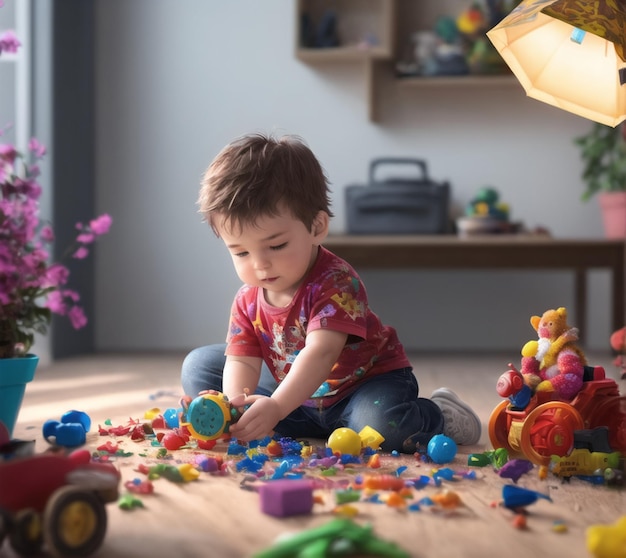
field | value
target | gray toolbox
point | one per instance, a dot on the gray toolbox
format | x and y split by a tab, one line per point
398	205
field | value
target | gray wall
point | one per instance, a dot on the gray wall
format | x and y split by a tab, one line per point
176	81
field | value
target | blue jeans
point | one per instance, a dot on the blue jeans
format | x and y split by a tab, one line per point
390	403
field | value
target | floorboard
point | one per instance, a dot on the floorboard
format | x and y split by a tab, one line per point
213	516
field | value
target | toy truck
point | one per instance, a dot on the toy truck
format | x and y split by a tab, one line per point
56	501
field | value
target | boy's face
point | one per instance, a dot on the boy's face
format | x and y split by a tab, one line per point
275	253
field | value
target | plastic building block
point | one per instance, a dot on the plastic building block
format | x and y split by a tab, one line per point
282	498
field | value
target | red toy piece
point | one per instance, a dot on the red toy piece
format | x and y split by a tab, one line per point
58	500
546	426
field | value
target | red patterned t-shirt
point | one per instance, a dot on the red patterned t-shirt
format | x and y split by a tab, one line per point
332	296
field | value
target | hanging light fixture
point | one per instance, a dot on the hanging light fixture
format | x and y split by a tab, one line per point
569	53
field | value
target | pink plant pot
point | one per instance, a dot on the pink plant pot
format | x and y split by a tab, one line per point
613	205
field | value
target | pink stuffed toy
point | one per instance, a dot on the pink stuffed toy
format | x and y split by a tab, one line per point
554	362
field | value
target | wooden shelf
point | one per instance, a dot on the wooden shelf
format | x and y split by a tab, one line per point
341	54
456	81
386	26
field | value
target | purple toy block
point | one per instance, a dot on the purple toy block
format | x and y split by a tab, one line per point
282	498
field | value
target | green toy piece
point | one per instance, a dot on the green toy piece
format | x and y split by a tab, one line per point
339	537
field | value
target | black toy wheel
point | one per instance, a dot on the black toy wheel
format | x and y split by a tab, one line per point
26	533
75	522
5	525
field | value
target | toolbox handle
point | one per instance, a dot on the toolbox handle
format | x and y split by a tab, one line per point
397	161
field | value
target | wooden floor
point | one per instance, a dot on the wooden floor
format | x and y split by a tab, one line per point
214	517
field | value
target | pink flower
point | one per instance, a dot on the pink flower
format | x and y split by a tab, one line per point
9	42
77	317
81	253
101	225
86	238
56	303
8	153
47	234
57	275
36	148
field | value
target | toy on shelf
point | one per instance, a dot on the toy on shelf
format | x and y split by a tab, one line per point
554	397
208	416
486	214
58	500
618	344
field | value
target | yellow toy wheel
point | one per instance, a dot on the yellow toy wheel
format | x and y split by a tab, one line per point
549	430
75	522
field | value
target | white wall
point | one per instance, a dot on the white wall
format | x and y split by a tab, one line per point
178	80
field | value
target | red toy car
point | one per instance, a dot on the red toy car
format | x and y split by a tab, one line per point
57	500
546	426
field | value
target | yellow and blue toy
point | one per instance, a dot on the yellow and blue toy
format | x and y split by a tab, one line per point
208	416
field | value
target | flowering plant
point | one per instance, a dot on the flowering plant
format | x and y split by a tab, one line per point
32	287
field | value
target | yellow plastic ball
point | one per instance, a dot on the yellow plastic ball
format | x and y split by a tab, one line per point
345	441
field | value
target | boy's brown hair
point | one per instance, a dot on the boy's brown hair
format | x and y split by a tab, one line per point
256	173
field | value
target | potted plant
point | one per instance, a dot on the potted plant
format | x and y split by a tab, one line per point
603	151
31	286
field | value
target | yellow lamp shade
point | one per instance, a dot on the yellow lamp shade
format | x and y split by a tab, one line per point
568	53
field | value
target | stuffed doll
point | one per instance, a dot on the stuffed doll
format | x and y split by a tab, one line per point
554	362
618	344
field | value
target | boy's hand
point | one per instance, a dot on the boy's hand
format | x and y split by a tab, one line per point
259	419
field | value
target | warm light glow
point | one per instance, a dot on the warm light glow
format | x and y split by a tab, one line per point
579	78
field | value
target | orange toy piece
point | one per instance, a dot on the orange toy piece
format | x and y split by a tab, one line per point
381	482
447	499
546	426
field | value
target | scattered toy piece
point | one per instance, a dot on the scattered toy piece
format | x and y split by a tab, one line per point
344	441
282	498
70	431
442	449
608	541
341	533
516	497
129	502
515	469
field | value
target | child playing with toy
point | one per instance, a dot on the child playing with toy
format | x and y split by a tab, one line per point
305	354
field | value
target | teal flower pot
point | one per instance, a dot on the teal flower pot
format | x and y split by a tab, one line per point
15	373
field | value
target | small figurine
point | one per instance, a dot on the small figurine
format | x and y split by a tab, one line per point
618	344
554	362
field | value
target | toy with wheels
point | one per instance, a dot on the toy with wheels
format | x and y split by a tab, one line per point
209	415
546	426
56	501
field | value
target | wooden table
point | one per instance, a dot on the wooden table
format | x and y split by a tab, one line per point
540	252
